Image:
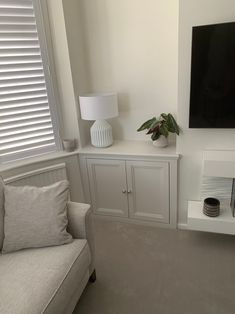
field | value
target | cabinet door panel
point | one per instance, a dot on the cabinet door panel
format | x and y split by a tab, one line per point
107	180
148	185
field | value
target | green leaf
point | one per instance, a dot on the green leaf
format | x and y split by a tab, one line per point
155	136
154	124
147	124
150	131
170	127
173	126
164	130
155	128
164	116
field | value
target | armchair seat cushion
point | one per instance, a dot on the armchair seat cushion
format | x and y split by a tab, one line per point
39	280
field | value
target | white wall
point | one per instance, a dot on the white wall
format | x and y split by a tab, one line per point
73	18
69	105
131	47
192	142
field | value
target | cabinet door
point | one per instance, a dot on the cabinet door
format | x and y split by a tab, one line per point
107	180
148	190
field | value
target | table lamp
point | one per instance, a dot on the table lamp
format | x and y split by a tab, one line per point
99	106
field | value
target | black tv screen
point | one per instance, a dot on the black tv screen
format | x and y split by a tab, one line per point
212	95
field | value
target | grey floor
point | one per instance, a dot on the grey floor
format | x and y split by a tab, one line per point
147	270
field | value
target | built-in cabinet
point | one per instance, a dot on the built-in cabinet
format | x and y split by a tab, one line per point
135	189
131	187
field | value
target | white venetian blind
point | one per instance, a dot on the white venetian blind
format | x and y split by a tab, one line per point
25	117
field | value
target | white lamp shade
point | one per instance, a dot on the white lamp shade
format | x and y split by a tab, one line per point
98	106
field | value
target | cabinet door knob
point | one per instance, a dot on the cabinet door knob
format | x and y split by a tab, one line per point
129	191
123	191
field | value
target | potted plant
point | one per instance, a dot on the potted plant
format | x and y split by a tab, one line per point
160	128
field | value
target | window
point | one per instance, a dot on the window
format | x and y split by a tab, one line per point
28	123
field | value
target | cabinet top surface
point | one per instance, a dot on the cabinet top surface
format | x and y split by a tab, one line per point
132	148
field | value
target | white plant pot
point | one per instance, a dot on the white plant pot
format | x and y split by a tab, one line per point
161	142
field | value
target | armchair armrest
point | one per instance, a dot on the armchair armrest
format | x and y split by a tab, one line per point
80	225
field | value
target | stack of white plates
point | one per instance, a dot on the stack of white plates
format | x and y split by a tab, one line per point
211	207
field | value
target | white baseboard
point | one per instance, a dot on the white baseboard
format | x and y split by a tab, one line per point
133	221
182	226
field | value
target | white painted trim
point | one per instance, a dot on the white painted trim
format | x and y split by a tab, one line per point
182	226
41	15
35	160
173	195
85	180
132	221
34	173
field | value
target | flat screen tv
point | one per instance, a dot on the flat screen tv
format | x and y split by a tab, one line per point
212	95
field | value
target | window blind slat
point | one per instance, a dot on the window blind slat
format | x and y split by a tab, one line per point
23	124
16	12
16	45
16	4
12	140
23	96
32	36
17	20
17	125
22	82
22	110
29	151
18	29
18	75
16	53
6	149
18	104
26	143
26	116
20	67
11	61
26	129
22	89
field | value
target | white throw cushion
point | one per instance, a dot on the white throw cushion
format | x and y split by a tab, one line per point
35	216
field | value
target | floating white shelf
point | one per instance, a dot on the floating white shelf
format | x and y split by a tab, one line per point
224	223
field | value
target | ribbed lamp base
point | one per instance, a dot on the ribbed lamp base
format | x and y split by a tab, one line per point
101	134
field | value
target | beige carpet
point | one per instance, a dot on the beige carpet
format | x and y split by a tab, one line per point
146	270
